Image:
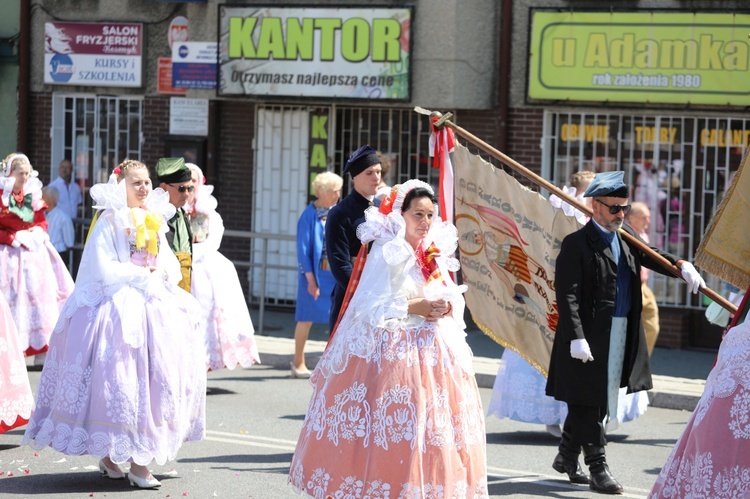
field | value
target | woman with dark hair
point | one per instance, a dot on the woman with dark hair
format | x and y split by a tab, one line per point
395	409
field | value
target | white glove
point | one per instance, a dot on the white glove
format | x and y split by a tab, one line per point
579	349
23	238
38	237
692	277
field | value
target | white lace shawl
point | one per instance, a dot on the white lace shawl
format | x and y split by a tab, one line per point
206	204
213	238
389	279
569	209
106	268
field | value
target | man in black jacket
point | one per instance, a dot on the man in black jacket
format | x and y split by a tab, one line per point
342	244
599	343
174	177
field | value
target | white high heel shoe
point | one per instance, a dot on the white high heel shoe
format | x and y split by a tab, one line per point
114	474
143	483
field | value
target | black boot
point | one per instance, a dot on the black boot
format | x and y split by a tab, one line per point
572	468
566	461
601	479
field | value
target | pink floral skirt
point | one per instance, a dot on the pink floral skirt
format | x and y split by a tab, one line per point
407	423
130	398
230	336
36	285
712	457
16	399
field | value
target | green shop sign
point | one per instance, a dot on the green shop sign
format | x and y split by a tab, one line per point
360	53
671	58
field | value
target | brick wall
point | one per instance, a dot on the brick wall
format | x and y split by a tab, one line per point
234	130
155	129
673	328
40	122
524	135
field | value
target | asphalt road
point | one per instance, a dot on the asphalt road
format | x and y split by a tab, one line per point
253	420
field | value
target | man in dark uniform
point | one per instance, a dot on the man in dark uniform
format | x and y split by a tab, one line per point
174	177
599	344
342	244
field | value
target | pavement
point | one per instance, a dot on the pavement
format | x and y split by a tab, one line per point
678	375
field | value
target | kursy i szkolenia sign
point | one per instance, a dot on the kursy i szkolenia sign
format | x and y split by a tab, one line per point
672	58
93	54
359	53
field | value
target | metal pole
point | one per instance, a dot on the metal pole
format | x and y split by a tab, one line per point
262	309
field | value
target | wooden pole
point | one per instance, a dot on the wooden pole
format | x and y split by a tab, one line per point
536	179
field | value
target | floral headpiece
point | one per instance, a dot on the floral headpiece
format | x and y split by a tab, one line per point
117	171
404	189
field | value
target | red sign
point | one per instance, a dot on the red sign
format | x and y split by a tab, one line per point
93	38
164	80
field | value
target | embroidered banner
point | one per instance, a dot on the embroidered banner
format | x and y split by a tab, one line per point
509	237
725	248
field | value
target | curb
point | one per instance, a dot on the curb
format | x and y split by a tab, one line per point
668	392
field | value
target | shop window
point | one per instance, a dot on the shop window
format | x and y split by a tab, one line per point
96	133
679	166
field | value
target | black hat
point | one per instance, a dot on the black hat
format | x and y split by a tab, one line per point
172	171
361	160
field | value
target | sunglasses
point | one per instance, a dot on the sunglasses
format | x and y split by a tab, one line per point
614	209
183	188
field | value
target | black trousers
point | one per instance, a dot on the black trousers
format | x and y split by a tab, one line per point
584	425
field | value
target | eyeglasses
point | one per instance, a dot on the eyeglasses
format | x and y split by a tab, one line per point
183	188
614	209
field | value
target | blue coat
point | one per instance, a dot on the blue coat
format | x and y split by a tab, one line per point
310	239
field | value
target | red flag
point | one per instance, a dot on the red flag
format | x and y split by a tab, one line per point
442	143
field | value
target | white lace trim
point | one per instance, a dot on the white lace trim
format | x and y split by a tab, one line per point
380	344
732	366
317	486
697	476
568	209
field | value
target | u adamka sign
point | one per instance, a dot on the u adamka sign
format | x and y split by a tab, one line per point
670	58
315	52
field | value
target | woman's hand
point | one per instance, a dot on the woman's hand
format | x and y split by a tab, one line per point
312	285
430	310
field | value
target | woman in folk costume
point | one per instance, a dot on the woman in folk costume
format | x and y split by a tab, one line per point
519	389
16	399
395	410
33	277
712	456
122	381
229	333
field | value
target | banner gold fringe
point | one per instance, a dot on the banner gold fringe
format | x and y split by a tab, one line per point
725	248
